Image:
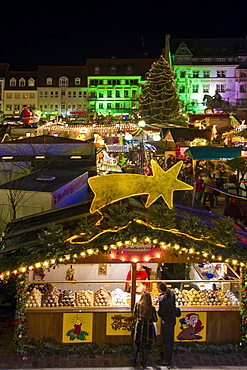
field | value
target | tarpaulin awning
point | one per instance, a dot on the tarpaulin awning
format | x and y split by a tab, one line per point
213	153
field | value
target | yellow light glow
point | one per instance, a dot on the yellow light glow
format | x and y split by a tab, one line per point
105	247
75	255
67	257
83	254
60	259
38	265
30	268
134	240
126	185
89	251
234	262
155	241
23	269
46	263
135	260
146	259
122	259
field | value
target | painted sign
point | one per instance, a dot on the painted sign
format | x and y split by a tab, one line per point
122	323
136	252
77	327
191	326
71	193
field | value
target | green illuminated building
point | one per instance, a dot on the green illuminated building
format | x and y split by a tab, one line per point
114	86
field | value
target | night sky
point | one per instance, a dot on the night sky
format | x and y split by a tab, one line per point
66	33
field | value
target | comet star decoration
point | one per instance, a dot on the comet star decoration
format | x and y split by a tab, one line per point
111	188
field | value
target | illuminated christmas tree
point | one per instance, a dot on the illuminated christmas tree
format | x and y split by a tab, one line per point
159	101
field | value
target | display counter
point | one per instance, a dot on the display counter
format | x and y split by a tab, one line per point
63	310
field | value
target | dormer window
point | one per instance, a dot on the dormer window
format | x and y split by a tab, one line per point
12	82
49	81
96	70
129	70
77	81
22	82
63	82
113	70
31	82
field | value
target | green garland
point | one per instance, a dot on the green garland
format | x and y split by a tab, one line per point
243	326
20	333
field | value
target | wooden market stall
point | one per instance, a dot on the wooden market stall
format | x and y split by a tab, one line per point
112	324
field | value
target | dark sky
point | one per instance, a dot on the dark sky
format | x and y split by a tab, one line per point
66	33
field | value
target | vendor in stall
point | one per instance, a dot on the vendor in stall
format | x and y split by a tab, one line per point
141	274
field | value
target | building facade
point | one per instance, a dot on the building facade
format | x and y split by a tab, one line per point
206	66
114	86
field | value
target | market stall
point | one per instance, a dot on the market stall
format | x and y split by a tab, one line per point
64	310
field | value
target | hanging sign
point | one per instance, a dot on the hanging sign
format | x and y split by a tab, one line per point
136	253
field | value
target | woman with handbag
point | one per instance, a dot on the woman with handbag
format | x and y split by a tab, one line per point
143	333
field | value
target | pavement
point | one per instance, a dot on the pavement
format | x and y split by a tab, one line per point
182	361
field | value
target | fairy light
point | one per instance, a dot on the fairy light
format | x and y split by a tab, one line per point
83	254
89	251
45	264
53	261
23	269
105	247
38	265
30	268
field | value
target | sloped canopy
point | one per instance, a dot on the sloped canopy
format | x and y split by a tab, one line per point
213	153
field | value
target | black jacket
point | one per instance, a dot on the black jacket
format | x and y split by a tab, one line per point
167	309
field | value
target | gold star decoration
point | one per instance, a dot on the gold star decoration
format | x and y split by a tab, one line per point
111	188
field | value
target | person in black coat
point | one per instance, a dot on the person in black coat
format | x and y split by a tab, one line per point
167	313
143	333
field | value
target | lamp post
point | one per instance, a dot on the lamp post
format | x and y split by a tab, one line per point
142	124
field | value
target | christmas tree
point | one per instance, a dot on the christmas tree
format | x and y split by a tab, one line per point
159	100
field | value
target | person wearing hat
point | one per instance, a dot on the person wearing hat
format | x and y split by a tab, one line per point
167	313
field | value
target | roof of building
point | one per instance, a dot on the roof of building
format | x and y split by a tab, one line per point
4	67
55	72
139	67
46	181
18	75
188	134
217	47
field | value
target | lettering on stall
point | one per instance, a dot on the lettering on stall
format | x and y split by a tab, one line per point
120	322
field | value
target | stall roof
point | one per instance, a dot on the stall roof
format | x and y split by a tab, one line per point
213	153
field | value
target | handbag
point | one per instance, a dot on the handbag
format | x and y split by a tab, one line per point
177	312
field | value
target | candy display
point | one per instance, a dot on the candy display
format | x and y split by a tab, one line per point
102	297
85	298
47	295
118	297
34	298
50	298
67	298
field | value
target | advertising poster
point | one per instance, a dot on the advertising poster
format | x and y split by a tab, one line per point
191	326
122	323
77	327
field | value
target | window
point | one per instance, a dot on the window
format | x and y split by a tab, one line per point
182	74
25	96
129	70
96	70
113	70
62	93
195	74
221	88
243	74
56	94
9	96
117	93
109	94
101	106
12	82
80	94
17	95
182	89
206	74
49	81
195	88
133	94
117	106
126	93
108	105
41	94
101	95
221	73
45	94
93	94
206	88
16	107
69	94
31	96
77	81
63	81
22	82
8	107
51	94
31	82
74	94
242	88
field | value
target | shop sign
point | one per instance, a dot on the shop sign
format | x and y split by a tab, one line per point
191	326
122	323
136	252
77	327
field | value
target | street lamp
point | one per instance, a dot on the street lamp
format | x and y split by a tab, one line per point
142	124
